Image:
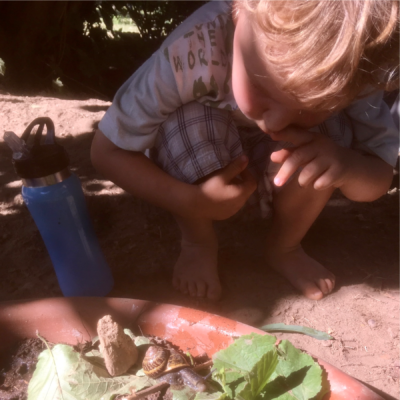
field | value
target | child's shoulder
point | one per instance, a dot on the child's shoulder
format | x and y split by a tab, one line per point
213	15
199	55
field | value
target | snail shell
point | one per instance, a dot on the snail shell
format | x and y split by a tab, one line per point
172	367
158	361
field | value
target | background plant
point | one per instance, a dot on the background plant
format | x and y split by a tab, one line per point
76	42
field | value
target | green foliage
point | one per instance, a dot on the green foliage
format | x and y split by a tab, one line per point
255	368
64	374
75	41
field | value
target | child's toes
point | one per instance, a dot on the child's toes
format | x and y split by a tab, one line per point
324	286
176	283
310	290
201	289
214	292
313	293
330	283
192	289
183	286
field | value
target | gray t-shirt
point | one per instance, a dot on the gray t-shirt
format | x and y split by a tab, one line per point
195	64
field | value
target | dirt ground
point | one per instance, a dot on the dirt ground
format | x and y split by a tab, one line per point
359	242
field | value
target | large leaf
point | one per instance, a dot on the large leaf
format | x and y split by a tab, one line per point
47	382
244	353
246	365
64	374
210	396
254	368
260	375
186	393
297	376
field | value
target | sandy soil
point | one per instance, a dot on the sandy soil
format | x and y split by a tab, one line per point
358	242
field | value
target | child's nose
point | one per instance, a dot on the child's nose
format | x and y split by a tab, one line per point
276	119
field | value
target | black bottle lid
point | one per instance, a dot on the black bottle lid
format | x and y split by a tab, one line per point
45	158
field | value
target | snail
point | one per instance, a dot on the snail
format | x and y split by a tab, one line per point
172	367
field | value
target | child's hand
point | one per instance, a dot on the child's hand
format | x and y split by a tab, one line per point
224	194
323	163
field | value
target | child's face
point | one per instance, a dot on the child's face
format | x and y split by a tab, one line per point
256	86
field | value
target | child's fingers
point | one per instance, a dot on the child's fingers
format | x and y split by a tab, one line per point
235	168
295	160
312	171
329	178
223	193
249	183
280	156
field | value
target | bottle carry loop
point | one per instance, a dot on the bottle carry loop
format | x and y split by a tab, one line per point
41	121
44	162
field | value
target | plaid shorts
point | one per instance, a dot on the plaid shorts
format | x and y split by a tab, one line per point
197	140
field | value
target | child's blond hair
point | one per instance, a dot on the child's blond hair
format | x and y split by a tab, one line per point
335	50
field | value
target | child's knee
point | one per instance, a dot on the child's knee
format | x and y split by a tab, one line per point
196	141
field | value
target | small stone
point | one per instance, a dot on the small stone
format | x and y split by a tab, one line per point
327	343
371	323
118	349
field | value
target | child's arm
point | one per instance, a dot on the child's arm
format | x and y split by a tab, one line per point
325	164
218	197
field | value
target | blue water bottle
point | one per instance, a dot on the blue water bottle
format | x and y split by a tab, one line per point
56	202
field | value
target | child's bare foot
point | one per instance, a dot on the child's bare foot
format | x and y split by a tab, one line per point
306	274
196	271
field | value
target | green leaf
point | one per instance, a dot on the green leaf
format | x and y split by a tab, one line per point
244	353
95	340
142	340
260	375
80	377
220	377
297	329
44	383
186	393
244	363
254	368
296	373
183	394
277	390
129	333
210	396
